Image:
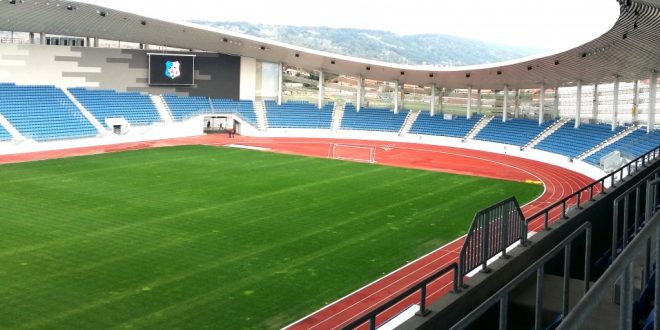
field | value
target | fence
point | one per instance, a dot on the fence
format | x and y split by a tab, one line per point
502	296
493	230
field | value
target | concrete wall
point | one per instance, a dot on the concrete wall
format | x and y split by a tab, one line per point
216	75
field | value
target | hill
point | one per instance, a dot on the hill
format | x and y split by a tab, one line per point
422	49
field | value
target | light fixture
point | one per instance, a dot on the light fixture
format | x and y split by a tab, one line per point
529	68
556	62
297	55
332	62
368	68
143	23
102	13
431	75
467	75
403	72
499	72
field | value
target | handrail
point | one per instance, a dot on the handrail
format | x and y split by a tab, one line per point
502	295
421	286
621	268
626	169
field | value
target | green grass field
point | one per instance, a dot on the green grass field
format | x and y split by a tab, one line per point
204	237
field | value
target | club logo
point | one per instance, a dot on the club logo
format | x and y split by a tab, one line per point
172	69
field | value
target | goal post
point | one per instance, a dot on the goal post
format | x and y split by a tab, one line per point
366	154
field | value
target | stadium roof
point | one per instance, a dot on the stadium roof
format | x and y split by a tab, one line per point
630	49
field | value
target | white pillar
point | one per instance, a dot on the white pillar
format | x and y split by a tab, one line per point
556	100
321	90
396	97
479	100
433	100
541	103
31	38
594	111
96	42
635	100
279	83
440	101
359	93
578	104
469	103
42	38
653	89
516	104
615	102
88	40
505	103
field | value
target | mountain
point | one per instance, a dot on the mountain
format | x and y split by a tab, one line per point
428	49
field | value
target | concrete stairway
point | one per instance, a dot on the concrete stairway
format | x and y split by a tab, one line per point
407	124
337	116
260	110
607	142
478	127
15	134
547	132
163	108
99	127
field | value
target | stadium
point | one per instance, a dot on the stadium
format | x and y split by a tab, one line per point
161	174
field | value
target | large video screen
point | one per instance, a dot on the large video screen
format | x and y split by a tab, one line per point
171	69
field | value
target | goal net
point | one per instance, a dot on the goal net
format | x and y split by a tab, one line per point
352	152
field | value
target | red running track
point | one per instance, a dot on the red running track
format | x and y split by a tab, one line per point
558	183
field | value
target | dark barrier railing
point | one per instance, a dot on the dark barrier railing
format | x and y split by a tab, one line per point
598	186
493	229
421	287
576	199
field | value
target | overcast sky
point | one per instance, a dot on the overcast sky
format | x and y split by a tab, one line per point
544	24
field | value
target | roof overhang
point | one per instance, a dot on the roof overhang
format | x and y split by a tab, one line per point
629	50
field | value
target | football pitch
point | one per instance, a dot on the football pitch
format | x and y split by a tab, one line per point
208	237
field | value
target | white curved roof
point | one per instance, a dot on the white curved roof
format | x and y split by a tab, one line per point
630	49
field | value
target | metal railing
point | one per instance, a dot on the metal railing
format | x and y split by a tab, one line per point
576	199
624	201
538	267
623	268
493	229
421	287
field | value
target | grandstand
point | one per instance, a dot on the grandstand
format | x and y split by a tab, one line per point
457	127
136	108
43	113
572	142
192	235
298	114
185	107
518	132
372	119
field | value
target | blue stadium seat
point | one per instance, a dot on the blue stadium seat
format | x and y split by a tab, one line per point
43	113
184	107
570	141
298	114
516	131
136	108
457	127
372	119
4	135
634	144
242	109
